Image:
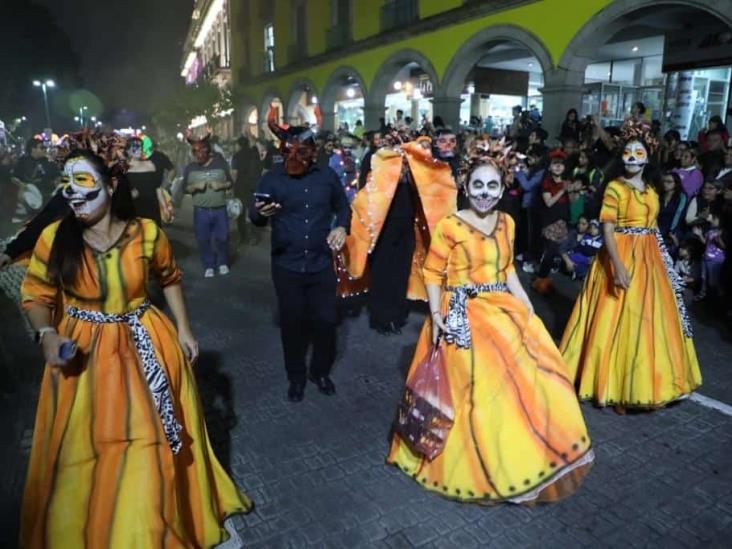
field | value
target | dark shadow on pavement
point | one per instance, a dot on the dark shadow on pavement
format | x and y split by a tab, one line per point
215	389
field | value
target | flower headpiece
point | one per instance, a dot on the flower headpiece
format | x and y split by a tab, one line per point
110	147
494	152
639	130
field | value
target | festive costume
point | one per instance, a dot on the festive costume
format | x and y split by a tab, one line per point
427	186
518	432
633	347
120	453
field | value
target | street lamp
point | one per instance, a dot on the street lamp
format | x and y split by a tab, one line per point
81	114
44	86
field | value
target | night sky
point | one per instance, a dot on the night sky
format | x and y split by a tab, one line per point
129	50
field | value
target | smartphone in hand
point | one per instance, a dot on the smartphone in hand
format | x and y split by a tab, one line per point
263	197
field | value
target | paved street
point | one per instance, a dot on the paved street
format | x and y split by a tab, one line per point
316	469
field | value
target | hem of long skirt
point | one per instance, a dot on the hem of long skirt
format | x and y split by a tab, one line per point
637	405
534	495
225	535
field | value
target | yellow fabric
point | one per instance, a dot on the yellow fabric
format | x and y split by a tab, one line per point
518	428
437	194
101	473
627	347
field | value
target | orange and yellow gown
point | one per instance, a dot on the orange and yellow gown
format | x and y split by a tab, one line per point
631	348
101	472
518	432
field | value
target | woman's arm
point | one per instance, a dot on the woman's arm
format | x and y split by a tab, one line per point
621	275
550	200
40	318
174	298
434	296
517	290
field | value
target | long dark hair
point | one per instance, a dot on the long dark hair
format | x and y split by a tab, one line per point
651	172
68	245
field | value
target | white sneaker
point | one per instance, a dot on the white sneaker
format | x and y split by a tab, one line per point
223	269
208	273
528	267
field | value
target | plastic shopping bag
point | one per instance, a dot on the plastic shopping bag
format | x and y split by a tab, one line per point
425	414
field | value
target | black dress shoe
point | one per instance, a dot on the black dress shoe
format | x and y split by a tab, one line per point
325	385
296	391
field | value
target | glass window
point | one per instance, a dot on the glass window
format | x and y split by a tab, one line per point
651	73
269	45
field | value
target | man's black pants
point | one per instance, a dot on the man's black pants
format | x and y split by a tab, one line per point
307	308
390	265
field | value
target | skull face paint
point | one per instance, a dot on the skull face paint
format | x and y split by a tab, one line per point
484	189
635	157
83	189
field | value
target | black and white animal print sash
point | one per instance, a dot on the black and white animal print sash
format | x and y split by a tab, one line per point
676	282
154	373
457	324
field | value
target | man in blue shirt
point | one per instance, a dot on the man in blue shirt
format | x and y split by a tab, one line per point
310	215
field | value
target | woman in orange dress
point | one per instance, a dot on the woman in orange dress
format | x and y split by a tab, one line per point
518	434
628	342
120	454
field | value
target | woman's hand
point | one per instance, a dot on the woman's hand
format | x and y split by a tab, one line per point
438	327
51	344
188	343
621	276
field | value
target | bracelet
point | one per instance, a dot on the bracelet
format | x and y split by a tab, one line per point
42	332
436	313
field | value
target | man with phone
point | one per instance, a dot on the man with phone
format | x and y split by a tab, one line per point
310	215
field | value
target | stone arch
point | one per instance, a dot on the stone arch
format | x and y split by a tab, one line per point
376	97
479	45
330	92
608	21
293	98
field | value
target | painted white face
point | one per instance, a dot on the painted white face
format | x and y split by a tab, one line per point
635	157
83	189
485	189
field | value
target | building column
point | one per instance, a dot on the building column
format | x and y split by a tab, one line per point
562	91
372	112
328	119
447	108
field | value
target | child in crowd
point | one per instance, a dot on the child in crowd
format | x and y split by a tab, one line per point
714	254
593	189
689	267
577	189
578	260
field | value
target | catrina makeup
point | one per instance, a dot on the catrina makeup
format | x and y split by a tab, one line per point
485	189
82	187
635	157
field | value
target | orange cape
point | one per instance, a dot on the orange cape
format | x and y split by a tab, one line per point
437	194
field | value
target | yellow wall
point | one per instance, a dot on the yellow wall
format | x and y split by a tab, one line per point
319	18
433	7
366	18
548	20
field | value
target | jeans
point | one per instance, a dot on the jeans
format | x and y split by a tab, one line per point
307	310
211	226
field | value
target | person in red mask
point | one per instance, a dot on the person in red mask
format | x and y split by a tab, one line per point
310	214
